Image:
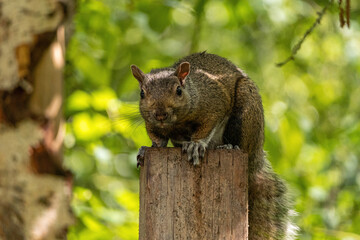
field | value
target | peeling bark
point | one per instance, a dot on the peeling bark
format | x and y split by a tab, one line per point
35	189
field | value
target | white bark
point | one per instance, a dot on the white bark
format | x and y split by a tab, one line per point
20	22
33	204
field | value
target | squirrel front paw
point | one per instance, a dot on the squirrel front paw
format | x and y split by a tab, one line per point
195	150
140	156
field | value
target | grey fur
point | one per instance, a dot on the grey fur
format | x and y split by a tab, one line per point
219	106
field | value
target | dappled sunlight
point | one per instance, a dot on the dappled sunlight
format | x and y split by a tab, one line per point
209	75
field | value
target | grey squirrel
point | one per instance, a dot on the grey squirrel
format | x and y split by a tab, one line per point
204	101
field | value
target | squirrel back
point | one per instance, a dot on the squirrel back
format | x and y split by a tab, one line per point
221	85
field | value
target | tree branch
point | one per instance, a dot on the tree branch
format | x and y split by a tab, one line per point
297	46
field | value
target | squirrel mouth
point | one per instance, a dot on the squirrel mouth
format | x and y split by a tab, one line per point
161	124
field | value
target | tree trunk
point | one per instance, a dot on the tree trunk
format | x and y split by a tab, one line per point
182	201
35	190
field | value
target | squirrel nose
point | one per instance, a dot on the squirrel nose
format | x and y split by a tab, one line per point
160	116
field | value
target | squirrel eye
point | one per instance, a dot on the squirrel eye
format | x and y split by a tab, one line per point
178	91
142	94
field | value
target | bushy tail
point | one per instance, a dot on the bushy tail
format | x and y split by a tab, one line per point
291	228
269	206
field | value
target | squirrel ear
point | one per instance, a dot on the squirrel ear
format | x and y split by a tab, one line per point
138	74
182	71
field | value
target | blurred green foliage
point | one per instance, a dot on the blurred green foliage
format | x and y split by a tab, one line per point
312	104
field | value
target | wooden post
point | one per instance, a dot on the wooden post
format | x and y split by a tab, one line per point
182	201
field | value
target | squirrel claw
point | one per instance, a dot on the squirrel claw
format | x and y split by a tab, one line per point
140	157
194	150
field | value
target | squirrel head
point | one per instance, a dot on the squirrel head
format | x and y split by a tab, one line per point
163	94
